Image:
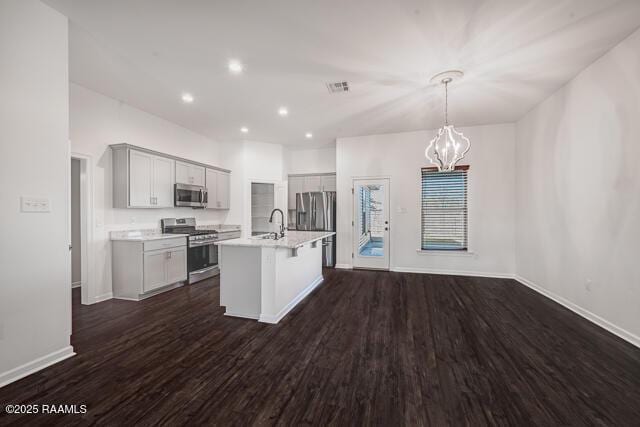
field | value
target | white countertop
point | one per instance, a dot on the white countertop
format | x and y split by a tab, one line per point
143	237
291	240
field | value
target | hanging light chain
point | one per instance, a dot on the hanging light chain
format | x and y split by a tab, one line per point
446	101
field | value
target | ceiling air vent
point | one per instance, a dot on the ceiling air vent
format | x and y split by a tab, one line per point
338	87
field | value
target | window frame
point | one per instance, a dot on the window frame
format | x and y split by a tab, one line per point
443	251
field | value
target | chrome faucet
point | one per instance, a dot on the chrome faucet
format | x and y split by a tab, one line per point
282	223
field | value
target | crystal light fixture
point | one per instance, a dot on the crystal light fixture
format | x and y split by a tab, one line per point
449	146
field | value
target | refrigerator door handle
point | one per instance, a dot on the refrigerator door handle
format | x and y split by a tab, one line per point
325	210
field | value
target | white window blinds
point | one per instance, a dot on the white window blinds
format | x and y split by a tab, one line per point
444	209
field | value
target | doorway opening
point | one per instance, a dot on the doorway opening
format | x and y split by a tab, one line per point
371	224
262	203
76	244
79	226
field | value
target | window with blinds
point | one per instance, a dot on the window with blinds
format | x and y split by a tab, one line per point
444	209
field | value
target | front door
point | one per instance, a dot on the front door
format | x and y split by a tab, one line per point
371	223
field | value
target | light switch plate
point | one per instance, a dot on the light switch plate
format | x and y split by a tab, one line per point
35	204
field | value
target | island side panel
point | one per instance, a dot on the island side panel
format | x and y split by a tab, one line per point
295	278
127	268
240	280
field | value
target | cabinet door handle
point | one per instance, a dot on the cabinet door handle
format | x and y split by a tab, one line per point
168	255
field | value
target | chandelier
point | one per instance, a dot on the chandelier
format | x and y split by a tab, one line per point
449	146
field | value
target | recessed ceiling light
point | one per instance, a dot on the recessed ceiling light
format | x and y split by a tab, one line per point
308	135
235	66
187	98
283	111
244	129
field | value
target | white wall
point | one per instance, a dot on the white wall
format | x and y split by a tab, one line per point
98	121
35	290
578	187
400	157
314	160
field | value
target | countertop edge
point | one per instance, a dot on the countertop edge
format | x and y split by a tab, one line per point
257	243
147	238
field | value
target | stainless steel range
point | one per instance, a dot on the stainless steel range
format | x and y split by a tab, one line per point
202	253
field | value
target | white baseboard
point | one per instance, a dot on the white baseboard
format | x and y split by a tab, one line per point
76	284
103	297
243	315
594	318
344	266
268	318
452	272
36	365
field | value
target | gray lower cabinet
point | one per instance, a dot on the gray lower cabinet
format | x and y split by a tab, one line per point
145	268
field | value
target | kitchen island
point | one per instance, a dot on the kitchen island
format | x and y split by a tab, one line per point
263	279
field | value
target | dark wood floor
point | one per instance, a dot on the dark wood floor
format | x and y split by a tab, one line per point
365	348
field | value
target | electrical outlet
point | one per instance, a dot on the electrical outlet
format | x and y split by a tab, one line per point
587	285
35	204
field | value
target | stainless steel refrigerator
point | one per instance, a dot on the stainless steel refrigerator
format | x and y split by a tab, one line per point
316	211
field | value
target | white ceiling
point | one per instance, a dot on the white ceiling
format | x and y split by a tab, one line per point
515	53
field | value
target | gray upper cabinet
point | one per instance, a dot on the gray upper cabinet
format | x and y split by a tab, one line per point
188	173
144	178
163	180
307	183
328	182
218	189
223	190
312	183
141	179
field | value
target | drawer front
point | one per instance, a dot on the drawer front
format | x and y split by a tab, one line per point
153	245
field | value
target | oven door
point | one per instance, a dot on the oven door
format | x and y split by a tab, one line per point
202	261
193	196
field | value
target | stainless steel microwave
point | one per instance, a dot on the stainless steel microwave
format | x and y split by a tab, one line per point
194	196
